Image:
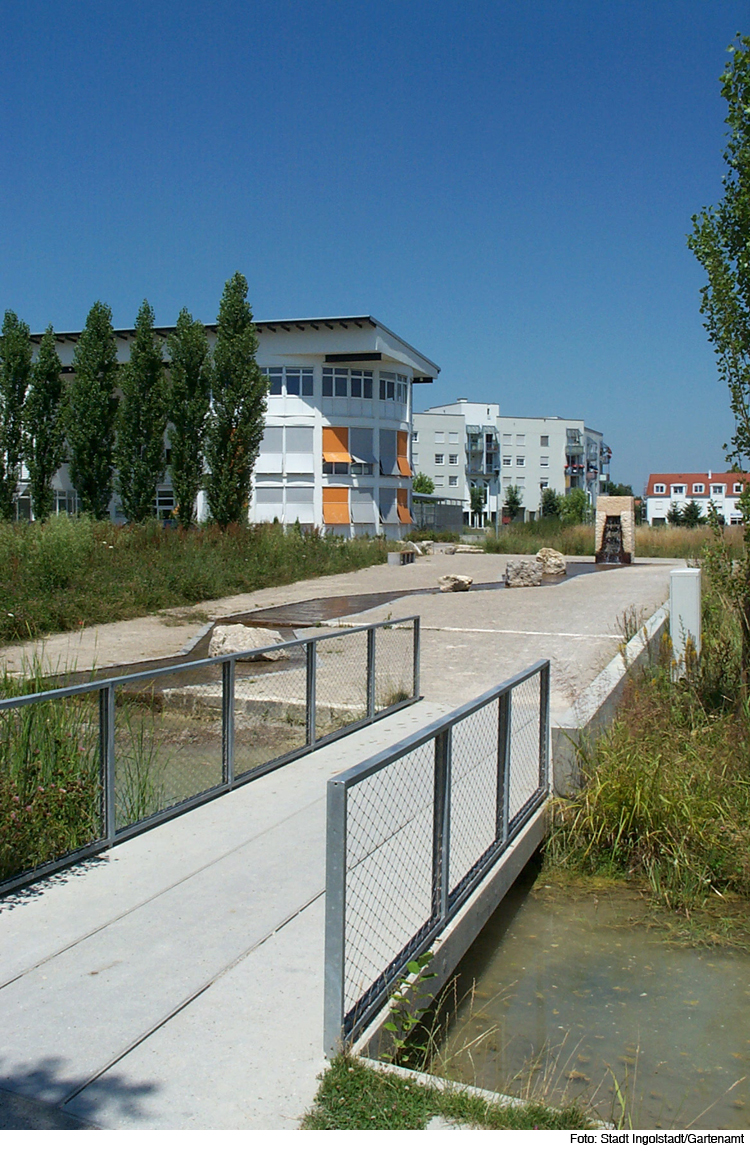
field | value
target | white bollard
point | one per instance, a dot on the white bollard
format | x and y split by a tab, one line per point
684	615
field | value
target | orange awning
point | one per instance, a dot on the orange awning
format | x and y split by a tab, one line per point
402	453
336	444
336	506
402	505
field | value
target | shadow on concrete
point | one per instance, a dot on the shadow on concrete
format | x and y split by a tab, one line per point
25	894
41	1105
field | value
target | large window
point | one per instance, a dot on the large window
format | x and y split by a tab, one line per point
544	440
336	456
360	448
336	506
338	382
402	506
293	380
363	505
393	387
394	457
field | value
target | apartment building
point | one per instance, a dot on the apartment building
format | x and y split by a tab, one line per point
335	453
723	489
492	451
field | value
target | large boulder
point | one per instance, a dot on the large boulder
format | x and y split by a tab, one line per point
523	574
455	582
553	563
228	638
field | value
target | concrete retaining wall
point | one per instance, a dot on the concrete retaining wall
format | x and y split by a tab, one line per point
594	710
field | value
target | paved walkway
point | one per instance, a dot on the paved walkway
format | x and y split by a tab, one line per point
471	640
177	983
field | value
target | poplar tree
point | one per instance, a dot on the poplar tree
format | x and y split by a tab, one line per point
15	369
188	400
44	441
90	409
141	422
721	242
237	419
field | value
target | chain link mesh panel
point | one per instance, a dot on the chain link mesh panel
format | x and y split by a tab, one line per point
388	866
391	908
394	665
167	742
270	708
473	809
50	782
340	682
524	747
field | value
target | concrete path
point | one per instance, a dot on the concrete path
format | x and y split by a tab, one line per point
178	981
471	640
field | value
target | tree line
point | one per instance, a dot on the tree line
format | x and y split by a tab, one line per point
108	421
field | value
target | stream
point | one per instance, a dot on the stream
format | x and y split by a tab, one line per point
568	993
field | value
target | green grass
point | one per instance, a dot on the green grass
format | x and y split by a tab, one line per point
666	796
353	1096
70	573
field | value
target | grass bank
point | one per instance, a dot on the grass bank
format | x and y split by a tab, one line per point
353	1096
650	542
70	573
666	796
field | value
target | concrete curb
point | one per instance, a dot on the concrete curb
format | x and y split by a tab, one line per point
595	708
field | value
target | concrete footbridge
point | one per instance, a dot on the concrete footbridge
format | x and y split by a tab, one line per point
177	981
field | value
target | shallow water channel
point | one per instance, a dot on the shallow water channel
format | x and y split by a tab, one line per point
572	992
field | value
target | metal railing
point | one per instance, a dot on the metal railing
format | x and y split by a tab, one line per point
83	767
413	831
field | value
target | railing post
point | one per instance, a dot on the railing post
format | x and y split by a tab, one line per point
441	818
107	760
311	657
544	727
416	659
370	673
227	721
503	766
335	931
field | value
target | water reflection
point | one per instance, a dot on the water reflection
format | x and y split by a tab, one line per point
572	995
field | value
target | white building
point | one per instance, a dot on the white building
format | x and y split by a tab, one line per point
721	489
335	453
469	444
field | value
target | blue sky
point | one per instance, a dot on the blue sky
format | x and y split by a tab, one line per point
506	185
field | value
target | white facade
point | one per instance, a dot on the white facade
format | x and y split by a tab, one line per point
335	453
723	489
496	452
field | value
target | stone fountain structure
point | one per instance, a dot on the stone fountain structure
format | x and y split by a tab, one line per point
615	529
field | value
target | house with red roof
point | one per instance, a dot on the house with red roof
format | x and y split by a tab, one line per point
723	489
